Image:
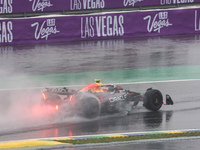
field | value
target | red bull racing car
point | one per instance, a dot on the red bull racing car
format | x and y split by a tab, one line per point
95	99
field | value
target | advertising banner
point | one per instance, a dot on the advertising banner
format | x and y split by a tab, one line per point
97	27
21	6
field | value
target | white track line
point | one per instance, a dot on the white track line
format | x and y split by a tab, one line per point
127	83
124	133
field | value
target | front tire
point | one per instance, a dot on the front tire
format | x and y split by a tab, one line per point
153	100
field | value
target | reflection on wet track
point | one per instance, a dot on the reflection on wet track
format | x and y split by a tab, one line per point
187	104
100	55
107	55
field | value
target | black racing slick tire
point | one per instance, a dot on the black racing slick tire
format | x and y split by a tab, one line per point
153	100
91	107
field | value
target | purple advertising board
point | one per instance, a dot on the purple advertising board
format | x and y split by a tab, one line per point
101	26
21	6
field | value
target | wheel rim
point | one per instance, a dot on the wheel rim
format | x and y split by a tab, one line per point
157	100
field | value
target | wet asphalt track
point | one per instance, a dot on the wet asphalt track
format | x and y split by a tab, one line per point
158	52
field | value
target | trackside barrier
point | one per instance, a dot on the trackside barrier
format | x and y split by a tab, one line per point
15	6
99	26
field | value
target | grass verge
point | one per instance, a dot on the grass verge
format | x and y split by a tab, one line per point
128	138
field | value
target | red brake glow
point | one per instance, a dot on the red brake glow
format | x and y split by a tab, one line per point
70	99
131	93
70	133
44	96
101	98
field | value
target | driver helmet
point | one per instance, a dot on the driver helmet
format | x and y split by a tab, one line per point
97	80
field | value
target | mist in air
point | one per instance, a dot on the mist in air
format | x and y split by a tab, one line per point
20	107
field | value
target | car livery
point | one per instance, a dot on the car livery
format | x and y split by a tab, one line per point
95	99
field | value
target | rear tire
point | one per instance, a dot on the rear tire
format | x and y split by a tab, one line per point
153	100
91	107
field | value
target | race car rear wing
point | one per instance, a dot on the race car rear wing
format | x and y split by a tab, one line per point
61	91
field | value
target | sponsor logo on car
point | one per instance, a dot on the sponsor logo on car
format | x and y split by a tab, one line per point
44	30
156	23
58	90
118	98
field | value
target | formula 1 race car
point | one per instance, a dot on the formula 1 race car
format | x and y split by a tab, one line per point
94	100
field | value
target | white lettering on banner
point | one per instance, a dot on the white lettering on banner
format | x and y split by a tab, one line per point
87	29
197	20
39	5
105	26
131	2
47	28
6	35
75	5
164	2
86	4
6	6
155	24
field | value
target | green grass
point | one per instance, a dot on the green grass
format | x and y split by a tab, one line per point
129	138
114	76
